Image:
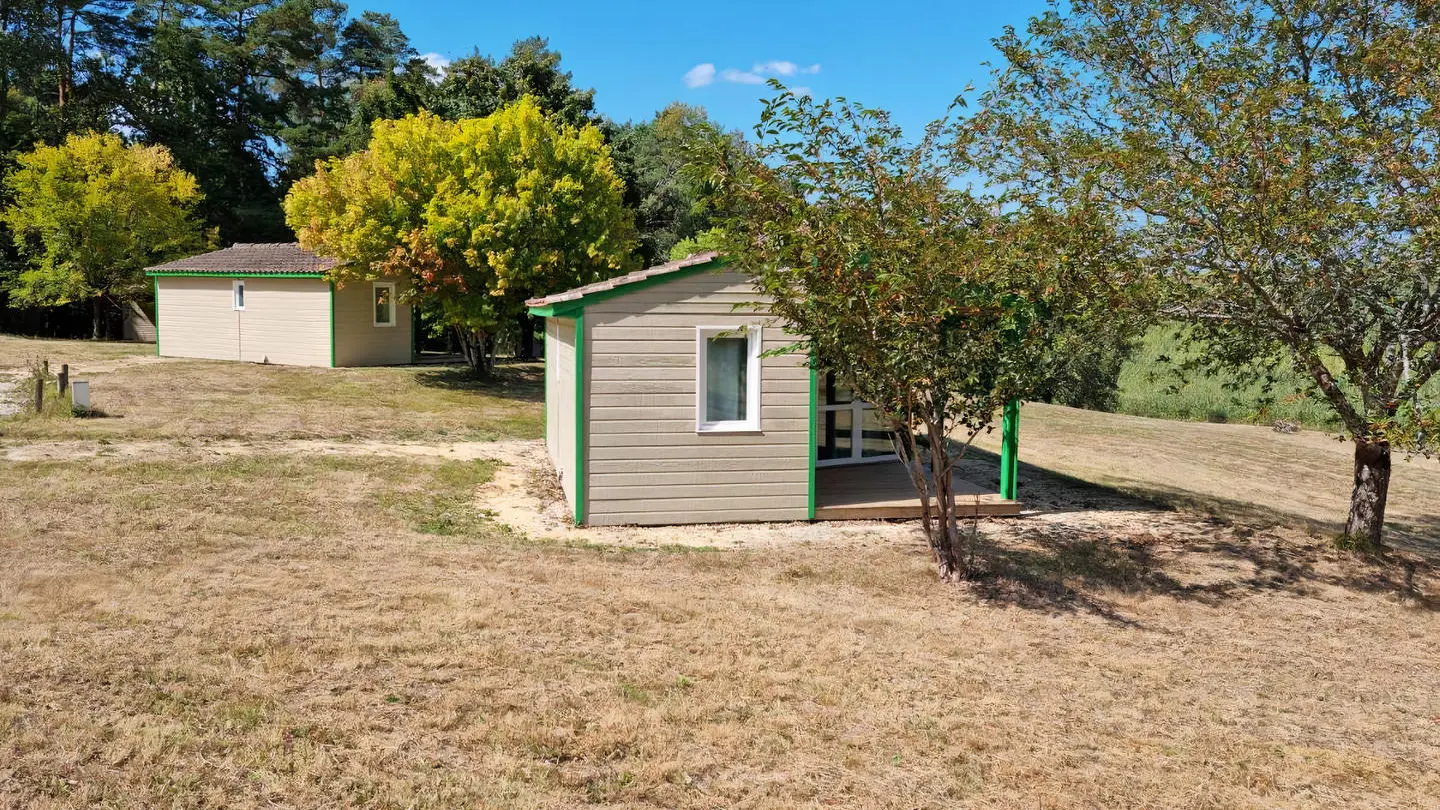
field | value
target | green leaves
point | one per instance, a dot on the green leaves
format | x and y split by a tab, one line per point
90	214
1278	165
933	303
480	213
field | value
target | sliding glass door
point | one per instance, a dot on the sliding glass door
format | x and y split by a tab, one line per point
847	429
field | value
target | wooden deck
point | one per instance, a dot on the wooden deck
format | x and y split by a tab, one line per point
883	490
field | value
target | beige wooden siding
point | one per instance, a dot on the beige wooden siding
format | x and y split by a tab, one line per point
286	321
358	341
196	319
560	401
646	462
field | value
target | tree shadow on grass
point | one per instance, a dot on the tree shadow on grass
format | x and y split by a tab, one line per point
1179	545
518	380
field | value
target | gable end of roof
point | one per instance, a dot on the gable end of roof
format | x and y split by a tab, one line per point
577	298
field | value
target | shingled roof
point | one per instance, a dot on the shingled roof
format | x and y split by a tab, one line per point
620	281
251	259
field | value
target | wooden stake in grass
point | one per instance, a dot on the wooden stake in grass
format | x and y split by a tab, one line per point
39	394
64	378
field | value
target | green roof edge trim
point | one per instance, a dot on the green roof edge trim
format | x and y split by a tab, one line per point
568	309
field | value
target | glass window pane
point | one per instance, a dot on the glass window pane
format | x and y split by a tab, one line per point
726	367
240	295
874	437
836	392
382	304
833	438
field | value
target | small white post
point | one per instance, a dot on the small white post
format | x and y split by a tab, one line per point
80	394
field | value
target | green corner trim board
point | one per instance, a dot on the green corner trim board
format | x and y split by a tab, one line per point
332	329
814	408
156	283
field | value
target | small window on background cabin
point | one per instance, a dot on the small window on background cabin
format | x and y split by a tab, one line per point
384	294
239	303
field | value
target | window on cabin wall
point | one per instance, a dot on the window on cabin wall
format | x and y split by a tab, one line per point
383	295
237	288
850	431
727	379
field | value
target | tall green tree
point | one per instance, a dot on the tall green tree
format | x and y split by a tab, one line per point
1279	164
935	304
479	214
669	205
90	214
477	85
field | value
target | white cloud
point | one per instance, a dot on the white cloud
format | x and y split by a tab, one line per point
705	74
700	75
802	91
436	61
776	67
741	76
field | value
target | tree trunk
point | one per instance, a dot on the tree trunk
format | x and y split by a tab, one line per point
479	350
1372	486
97	318
525	341
945	537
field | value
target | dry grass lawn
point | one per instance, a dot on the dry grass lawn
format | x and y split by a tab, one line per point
200	629
1238	473
145	397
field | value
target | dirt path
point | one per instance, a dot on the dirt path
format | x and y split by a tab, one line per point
11	397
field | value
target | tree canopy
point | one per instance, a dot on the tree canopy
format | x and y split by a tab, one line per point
1280	164
479	214
91	214
935	304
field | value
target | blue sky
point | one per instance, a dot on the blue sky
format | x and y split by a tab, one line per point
911	58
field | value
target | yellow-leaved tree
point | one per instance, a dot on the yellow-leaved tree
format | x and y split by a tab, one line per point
90	214
479	214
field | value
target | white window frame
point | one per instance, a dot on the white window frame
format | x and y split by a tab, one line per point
237	294
751	422
375	288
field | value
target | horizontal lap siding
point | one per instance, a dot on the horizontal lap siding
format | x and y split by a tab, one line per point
196	318
286	321
646	464
358	341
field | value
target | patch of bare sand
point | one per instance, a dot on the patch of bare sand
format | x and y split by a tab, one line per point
524	496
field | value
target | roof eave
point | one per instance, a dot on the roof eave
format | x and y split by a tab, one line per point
563	305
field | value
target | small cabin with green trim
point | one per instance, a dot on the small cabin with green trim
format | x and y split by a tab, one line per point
662	406
272	303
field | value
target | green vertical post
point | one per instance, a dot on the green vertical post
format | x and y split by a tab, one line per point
332	324
814	403
156	281
1010	450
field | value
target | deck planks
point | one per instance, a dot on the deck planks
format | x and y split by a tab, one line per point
883	490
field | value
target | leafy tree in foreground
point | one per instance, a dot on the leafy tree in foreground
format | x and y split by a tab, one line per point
479	213
925	299
1281	162
91	214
